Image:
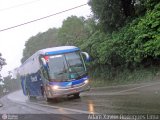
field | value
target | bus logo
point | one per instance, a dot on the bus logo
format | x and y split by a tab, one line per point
34	79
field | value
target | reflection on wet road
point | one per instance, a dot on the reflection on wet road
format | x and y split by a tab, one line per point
91	106
130	99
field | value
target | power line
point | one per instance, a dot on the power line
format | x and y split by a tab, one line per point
42	18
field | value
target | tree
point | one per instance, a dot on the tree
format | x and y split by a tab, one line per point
2	62
73	31
114	14
110	13
11	83
40	41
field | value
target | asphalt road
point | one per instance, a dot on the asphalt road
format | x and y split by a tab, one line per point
127	99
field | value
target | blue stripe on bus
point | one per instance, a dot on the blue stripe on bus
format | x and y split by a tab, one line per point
62	51
69	83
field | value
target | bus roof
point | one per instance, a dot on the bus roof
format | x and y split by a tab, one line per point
58	50
53	51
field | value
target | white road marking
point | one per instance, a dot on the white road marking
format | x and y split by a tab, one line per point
23	100
73	110
122	92
86	112
135	88
118	86
24	103
68	109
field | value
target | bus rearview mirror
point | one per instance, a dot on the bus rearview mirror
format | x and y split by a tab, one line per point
44	62
87	58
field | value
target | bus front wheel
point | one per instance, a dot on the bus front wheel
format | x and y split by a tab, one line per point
46	98
77	95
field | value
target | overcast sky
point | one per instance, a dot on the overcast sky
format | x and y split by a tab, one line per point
14	12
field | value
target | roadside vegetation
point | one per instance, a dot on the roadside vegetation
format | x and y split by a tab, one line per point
122	38
2	63
127	77
8	84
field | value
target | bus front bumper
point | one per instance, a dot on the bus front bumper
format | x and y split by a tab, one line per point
68	91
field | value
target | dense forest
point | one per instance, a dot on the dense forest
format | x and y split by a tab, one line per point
120	36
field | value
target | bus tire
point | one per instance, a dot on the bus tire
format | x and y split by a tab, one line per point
29	96
32	97
49	99
46	98
77	95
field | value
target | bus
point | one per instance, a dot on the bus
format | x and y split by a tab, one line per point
55	72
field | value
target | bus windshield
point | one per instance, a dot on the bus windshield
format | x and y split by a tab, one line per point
66	67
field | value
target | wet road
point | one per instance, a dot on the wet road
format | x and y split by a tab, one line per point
17	107
127	99
130	99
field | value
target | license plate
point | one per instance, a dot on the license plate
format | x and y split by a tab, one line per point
74	90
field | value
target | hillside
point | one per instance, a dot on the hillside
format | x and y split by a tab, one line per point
124	43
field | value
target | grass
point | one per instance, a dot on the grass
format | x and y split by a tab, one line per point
126	77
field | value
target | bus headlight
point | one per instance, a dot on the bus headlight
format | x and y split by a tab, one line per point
55	87
86	81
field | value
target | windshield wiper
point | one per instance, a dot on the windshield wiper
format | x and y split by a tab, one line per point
73	71
84	74
80	75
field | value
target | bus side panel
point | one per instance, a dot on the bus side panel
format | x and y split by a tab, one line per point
34	82
31	69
